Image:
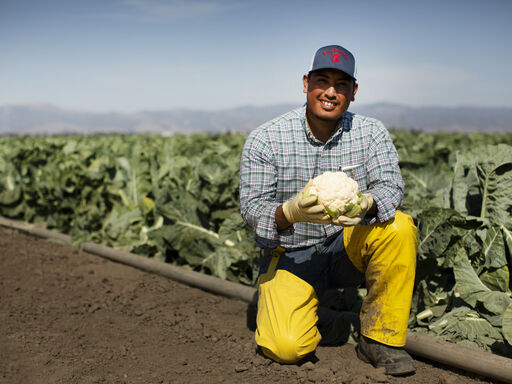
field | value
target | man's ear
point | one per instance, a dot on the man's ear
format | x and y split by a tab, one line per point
355	91
305	82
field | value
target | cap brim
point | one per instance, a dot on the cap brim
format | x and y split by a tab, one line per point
319	69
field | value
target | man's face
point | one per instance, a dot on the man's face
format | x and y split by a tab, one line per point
329	93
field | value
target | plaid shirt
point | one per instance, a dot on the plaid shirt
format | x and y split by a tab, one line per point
282	155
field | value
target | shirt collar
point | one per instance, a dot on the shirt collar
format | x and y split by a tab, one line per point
344	125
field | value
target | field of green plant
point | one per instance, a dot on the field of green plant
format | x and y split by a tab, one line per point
176	199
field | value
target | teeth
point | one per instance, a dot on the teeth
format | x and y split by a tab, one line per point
328	103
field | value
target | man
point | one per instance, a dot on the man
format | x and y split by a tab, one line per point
306	252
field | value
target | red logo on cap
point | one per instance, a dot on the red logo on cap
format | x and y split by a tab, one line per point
335	55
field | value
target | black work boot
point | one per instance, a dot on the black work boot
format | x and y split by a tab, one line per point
395	359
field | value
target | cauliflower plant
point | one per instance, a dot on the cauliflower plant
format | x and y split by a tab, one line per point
338	193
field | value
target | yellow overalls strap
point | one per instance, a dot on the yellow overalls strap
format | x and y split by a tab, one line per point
271	271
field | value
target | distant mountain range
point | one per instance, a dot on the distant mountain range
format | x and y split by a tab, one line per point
46	119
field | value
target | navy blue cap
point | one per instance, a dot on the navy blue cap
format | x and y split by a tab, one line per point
334	56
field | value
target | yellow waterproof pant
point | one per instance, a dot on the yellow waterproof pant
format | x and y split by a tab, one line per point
287	305
386	254
286	319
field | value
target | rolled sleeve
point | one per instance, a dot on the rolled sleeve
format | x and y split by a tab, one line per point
258	179
385	179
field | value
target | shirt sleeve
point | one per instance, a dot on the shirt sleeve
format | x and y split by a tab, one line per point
258	180
385	179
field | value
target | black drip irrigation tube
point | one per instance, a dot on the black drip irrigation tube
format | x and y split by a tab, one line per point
453	355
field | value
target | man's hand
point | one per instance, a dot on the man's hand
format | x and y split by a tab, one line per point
366	205
299	209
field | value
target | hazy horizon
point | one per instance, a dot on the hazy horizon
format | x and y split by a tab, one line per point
353	106
41	119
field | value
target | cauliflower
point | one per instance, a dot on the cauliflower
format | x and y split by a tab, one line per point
338	193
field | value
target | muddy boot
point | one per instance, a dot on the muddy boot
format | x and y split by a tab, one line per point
395	360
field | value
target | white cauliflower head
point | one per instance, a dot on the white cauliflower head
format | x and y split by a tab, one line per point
338	193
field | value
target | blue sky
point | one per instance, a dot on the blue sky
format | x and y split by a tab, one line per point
131	55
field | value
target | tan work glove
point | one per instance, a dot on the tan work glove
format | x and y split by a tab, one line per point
366	204
299	209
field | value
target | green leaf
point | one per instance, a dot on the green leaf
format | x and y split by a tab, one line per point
473	291
434	231
496	279
493	246
465	326
482	183
507	324
507	238
427	185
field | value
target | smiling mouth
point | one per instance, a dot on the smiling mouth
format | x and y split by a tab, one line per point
327	104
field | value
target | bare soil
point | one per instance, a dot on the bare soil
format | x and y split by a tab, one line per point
71	317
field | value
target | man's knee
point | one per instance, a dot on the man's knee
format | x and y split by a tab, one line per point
286	321
287	349
402	227
404	234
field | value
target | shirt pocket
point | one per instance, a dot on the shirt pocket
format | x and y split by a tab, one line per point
356	172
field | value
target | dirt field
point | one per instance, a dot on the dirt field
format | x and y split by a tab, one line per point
70	317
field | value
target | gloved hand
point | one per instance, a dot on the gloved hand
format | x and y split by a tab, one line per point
366	204
301	209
